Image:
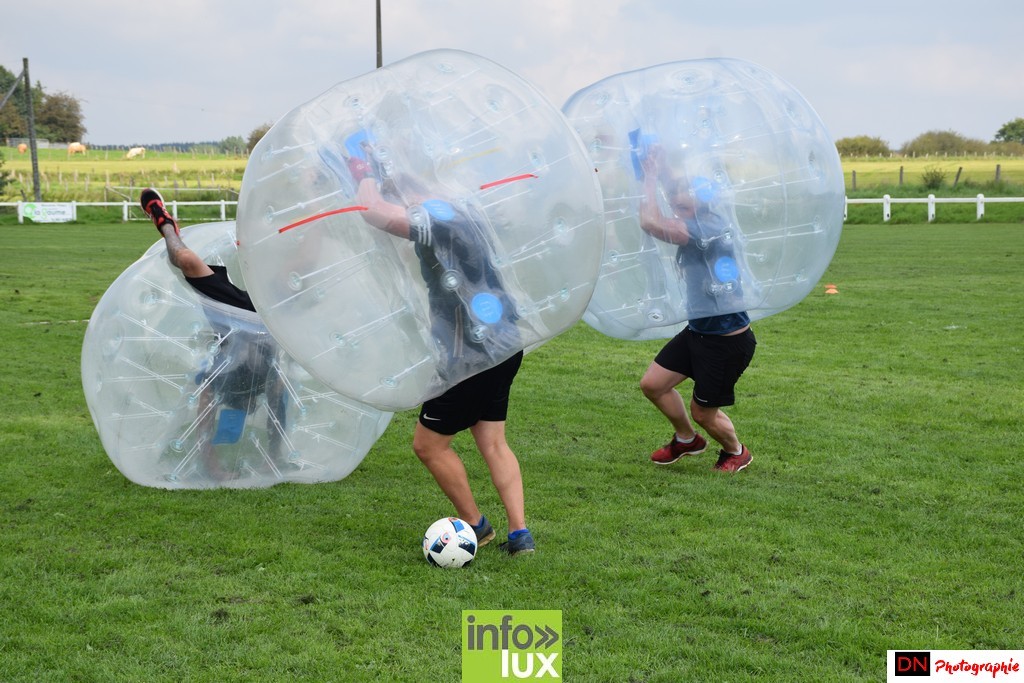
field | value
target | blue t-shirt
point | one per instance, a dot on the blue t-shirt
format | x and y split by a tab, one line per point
719	324
473	317
709	267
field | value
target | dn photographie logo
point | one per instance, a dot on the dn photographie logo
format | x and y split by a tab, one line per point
913	663
504	645
956	665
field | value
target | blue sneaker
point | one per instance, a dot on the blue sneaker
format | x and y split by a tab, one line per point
484	532
521	543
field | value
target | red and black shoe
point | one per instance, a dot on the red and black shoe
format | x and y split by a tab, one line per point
729	462
675	449
153	204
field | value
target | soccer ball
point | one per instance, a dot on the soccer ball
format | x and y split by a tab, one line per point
449	542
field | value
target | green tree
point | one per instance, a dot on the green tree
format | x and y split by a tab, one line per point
1010	149
943	142
60	118
57	117
256	135
1012	131
4	179
12	123
12	116
233	144
862	146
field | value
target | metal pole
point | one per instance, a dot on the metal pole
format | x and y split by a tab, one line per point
380	48
32	135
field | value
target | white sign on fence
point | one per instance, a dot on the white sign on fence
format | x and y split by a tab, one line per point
49	212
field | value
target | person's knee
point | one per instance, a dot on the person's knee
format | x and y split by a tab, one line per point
428	445
422	450
651	388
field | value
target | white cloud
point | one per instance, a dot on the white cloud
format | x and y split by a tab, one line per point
193	70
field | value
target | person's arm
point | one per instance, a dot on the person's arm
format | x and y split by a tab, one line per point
665	228
380	213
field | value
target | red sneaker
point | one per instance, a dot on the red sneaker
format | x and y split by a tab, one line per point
674	449
728	462
153	204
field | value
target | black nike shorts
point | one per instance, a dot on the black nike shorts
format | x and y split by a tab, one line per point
714	362
481	397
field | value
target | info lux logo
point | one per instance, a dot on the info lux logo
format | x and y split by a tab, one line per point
504	645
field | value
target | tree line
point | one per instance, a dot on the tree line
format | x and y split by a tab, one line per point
58	117
1008	141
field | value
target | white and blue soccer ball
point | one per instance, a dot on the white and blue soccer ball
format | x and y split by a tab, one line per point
449	542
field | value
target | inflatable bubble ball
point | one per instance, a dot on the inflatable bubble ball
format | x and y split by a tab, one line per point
187	392
723	192
417	225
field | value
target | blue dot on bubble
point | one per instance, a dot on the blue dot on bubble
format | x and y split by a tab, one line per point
726	269
486	307
704	189
439	209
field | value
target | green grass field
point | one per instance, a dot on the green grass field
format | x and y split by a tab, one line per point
199	176
975	171
882	509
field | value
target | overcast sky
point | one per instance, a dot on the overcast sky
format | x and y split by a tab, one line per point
197	70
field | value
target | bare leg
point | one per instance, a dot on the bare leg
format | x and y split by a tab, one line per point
435	452
504	467
718	425
659	386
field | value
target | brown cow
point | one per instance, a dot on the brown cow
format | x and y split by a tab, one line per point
22	148
76	148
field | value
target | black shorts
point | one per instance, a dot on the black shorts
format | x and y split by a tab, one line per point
219	288
714	362
481	397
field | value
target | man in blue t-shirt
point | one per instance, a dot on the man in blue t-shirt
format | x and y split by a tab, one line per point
473	320
717	344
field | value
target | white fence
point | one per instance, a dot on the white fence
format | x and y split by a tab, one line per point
886	201
125	206
931	200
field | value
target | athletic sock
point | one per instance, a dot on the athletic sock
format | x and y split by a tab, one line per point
512	535
690	440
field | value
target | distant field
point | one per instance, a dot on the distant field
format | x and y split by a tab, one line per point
83	178
874	172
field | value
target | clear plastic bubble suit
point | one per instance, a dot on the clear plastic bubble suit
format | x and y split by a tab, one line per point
186	392
484	164
755	161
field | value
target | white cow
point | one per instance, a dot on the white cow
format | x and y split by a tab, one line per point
136	152
76	148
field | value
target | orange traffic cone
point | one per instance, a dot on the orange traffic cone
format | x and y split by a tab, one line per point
831	289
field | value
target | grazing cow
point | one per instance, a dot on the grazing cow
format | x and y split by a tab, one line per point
76	148
22	148
136	152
